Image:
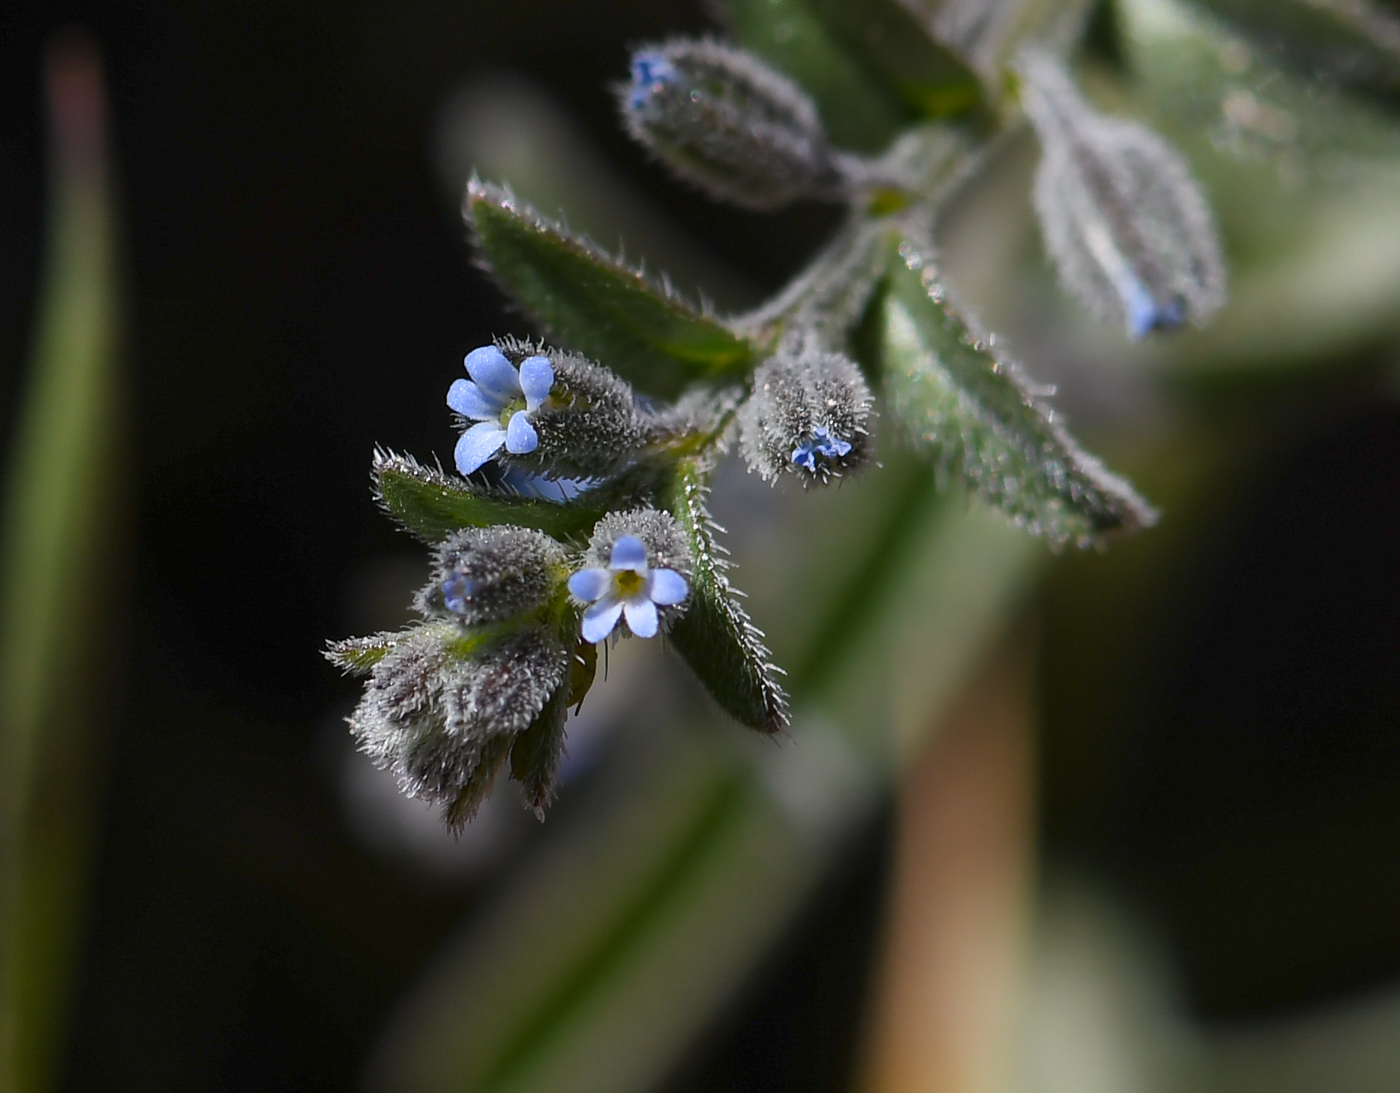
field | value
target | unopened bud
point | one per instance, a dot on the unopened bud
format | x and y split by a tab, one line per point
485	574
442	713
725	121
1128	228
809	415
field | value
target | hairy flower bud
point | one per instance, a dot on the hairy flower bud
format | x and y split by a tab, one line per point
485	574
725	121
808	415
442	711
588	425
1128	229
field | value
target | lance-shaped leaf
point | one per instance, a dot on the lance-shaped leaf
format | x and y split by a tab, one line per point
430	504
903	54
1352	42
952	391
715	635
593	303
860	111
1214	78
1129	229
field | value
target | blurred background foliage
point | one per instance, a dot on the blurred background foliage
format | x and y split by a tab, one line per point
1113	821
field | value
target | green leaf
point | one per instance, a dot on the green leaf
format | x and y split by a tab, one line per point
715	635
1215	80
596	305
903	54
1353	42
952	391
859	111
431	505
64	564
357	656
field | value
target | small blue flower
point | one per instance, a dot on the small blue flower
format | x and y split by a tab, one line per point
1146	314
822	444
500	398
649	72
456	591
537	486
626	587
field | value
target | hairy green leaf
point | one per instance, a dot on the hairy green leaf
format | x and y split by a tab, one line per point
1353	42
715	635
593	303
903	54
431	504
951	390
859	110
1214	78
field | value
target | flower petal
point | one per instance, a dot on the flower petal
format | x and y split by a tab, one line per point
536	378
599	620
629	552
641	616
477	445
471	401
495	375
590	584
668	587
520	434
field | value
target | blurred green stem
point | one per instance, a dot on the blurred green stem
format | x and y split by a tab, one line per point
59	576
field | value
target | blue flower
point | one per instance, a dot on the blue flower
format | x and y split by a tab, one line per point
500	398
626	588
822	444
649	72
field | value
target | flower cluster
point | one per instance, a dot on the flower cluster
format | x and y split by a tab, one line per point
578	513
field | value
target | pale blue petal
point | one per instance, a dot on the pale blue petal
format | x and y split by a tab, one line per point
470	401
493	373
590	584
668	587
641	616
629	552
520	434
477	445
536	378
599	620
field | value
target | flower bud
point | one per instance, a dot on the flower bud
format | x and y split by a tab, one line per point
1124	221
725	121
487	574
809	415
588	426
442	711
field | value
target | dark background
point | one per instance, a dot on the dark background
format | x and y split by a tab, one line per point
298	288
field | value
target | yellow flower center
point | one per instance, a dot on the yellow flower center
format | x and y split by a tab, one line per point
628	582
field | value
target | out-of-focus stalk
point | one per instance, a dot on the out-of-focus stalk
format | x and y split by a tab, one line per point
949	997
61	572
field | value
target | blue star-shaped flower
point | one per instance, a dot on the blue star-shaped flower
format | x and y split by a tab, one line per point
822	444
626	587
500	398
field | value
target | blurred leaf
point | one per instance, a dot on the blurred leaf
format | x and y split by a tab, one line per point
1353	42
951	391
596	305
860	112
901	51
431	504
62	566
1213	78
715	635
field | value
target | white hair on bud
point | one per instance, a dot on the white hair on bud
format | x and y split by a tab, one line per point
1129	231
725	121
